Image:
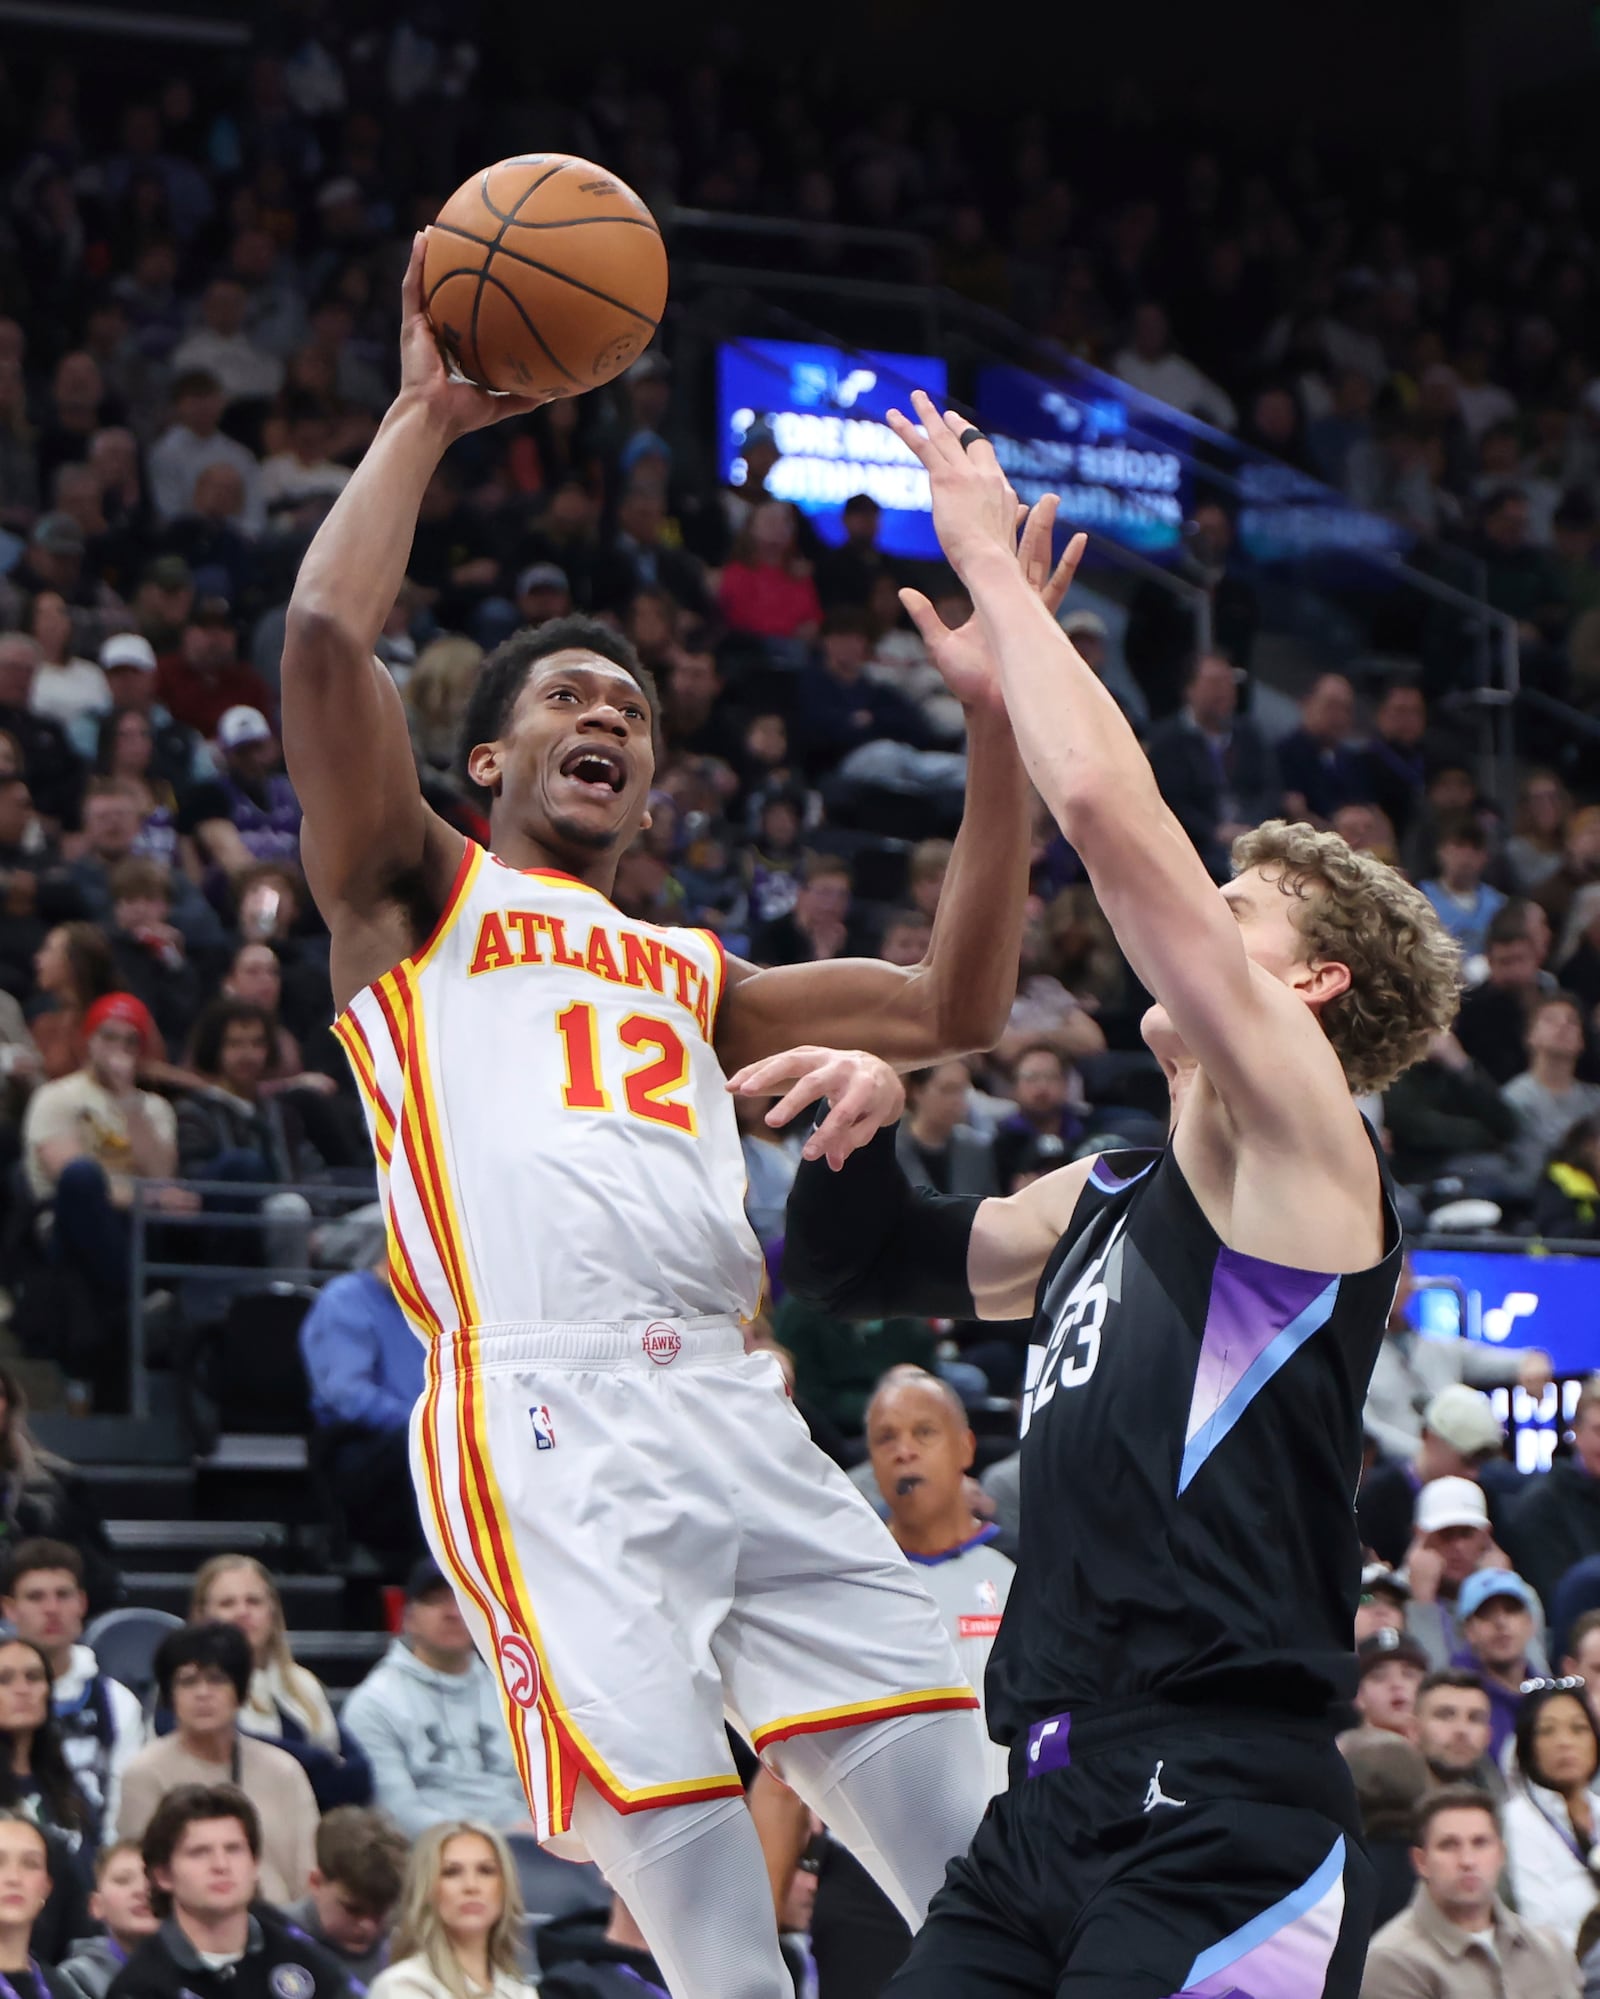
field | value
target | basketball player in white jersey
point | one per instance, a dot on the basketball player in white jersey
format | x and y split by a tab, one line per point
641	1534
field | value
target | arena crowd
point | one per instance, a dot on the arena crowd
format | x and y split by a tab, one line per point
197	329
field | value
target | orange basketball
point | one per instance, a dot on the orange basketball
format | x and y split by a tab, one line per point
544	275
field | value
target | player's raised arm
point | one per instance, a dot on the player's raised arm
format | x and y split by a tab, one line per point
344	729
958	998
1258	1045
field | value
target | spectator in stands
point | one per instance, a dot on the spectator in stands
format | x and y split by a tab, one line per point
1492	1025
840	706
208	1855
1150	364
205	680
1458	1937
35	1776
1411	1371
178	758
1396	754
460	1918
1462	900
935	1144
1390	1667
1450	1542
42	1497
1452	1715
1533	853
1498	1613
287	1703
1460	1434
1214	767
1550	1816
99	1721
192	442
301	481
1520	578
1319	767
203	1675
766	589
1381	1605
54	773
149	955
847	574
1579	951
640	557
120	1904
364	1365
1046	1121
428	1717
113	821
66	688
1566	1201
355	1890
222	348
578	1959
818	926
1547	1097
125	749
839	1363
907	934
72	970
26	1886
250	813
1557	1522
231	1125
1444	1116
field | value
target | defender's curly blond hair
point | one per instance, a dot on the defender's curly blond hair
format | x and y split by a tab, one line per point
1405	969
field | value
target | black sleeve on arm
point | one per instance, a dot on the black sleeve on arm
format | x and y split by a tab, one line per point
865	1244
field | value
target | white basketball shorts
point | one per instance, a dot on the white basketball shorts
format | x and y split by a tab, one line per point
644	1540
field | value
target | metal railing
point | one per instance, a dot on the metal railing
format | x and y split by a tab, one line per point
237	1208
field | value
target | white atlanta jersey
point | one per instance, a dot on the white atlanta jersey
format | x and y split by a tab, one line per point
554	1137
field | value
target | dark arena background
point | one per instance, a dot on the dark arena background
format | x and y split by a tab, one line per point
1300	318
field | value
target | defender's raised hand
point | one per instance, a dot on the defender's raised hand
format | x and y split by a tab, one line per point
973	504
863	1093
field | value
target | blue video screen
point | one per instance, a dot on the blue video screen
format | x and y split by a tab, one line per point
826	406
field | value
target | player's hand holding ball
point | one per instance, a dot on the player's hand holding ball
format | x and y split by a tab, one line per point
863	1093
424	378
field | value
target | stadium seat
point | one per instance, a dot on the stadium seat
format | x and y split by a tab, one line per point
125	1643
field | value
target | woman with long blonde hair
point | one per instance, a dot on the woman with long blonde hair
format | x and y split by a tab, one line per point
288	1704
436	697
460	1915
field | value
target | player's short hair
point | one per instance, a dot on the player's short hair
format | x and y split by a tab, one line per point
505	672
38	1556
1453	1798
192	1804
1461	1679
363	1852
1355	910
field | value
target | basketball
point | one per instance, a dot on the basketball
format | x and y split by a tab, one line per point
544	275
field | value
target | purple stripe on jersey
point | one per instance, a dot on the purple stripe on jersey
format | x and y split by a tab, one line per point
1258	1316
1284	1953
1104	1176
1047	1745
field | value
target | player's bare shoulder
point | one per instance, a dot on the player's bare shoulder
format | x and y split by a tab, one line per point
1012	1240
370	934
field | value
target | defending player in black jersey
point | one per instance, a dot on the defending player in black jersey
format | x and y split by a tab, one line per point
1177	1653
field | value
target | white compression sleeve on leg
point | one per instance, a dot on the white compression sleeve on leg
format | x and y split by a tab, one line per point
904	1795
694	1879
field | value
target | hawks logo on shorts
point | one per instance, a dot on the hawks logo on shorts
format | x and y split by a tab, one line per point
519	1668
662	1344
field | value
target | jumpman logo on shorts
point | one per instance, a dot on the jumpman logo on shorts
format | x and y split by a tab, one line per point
1154	1795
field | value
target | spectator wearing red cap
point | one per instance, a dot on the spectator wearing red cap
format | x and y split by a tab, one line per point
88	1139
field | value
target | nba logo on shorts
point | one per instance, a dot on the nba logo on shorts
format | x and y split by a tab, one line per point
544	1430
519	1668
662	1344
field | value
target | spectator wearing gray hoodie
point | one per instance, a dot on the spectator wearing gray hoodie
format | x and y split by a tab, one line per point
429	1720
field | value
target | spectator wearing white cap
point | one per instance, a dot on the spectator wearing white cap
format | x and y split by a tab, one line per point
1557	1522
1452	1541
543	592
1411	1370
1382	1603
1499	1616
180	757
1460	1435
250	813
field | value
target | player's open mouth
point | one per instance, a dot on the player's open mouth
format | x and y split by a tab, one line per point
604	770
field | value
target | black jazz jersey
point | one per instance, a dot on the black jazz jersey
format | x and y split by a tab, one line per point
1191	1449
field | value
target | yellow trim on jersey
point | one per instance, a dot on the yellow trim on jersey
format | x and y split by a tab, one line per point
419	1074
460	889
719	958
490	1499
856	1712
350	1038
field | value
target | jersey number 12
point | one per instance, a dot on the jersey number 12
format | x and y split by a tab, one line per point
647	1090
